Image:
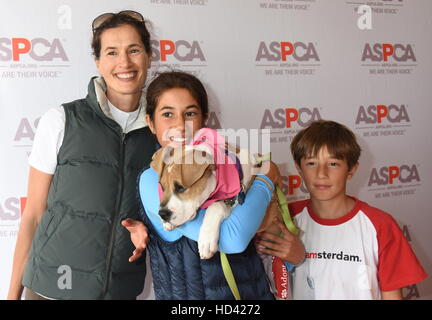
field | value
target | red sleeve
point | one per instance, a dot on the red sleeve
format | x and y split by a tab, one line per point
297	207
398	266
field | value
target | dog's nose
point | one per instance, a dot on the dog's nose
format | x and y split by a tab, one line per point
165	214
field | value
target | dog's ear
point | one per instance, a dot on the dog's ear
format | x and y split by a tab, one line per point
191	173
158	161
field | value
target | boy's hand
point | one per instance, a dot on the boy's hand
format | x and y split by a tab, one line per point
139	236
287	247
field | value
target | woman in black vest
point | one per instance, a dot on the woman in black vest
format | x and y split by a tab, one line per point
83	168
174	98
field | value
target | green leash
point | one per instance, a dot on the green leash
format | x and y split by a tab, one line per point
286	216
266	157
229	276
283	205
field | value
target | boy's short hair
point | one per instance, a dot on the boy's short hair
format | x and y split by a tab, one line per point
339	140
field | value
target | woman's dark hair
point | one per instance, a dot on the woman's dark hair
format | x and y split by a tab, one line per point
117	20
176	79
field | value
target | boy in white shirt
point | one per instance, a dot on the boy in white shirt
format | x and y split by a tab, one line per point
353	251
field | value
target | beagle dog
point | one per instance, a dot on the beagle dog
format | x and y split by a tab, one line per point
206	174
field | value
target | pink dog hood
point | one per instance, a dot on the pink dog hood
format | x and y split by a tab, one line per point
228	182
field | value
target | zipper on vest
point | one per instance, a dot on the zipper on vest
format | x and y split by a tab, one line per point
117	213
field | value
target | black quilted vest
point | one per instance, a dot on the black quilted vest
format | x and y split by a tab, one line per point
92	191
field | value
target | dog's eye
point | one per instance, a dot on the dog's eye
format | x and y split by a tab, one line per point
178	188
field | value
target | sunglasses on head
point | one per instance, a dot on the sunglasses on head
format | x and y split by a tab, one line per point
100	20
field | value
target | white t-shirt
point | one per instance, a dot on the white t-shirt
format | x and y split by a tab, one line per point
354	257
50	131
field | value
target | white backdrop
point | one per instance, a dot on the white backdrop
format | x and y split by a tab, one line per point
274	64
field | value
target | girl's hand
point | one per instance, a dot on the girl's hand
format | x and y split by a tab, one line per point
139	236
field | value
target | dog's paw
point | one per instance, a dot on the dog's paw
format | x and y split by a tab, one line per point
168	226
208	244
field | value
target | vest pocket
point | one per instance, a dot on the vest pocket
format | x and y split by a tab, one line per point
53	217
78	240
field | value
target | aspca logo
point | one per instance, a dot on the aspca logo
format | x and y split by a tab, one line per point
12	208
382	52
392	174
284	118
38	49
281	51
292	184
181	50
377	114
26	130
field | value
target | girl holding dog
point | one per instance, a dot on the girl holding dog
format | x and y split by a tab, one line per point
176	100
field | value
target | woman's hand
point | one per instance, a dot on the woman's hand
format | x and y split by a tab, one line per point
139	236
287	246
